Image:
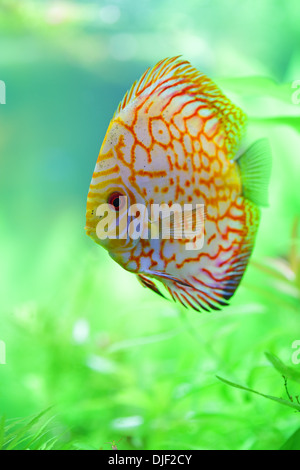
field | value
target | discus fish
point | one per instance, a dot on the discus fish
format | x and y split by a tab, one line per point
175	138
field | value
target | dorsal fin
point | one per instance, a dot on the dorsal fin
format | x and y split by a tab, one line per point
179	76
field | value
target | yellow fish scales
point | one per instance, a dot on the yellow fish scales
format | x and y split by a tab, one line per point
177	139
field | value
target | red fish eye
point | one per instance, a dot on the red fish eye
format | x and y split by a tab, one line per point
116	200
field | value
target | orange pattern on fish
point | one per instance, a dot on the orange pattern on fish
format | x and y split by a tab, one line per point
175	138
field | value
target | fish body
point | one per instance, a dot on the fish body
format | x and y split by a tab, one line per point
177	139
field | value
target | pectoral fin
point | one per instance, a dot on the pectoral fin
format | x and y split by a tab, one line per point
146	282
182	224
255	166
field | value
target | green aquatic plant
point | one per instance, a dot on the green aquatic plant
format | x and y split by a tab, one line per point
32	433
288	373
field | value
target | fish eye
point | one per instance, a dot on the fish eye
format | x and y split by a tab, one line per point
116	200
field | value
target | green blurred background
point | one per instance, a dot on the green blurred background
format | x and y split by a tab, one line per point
114	360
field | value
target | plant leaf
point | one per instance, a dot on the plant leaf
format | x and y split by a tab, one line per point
295	406
2	431
288	372
293	443
25	429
